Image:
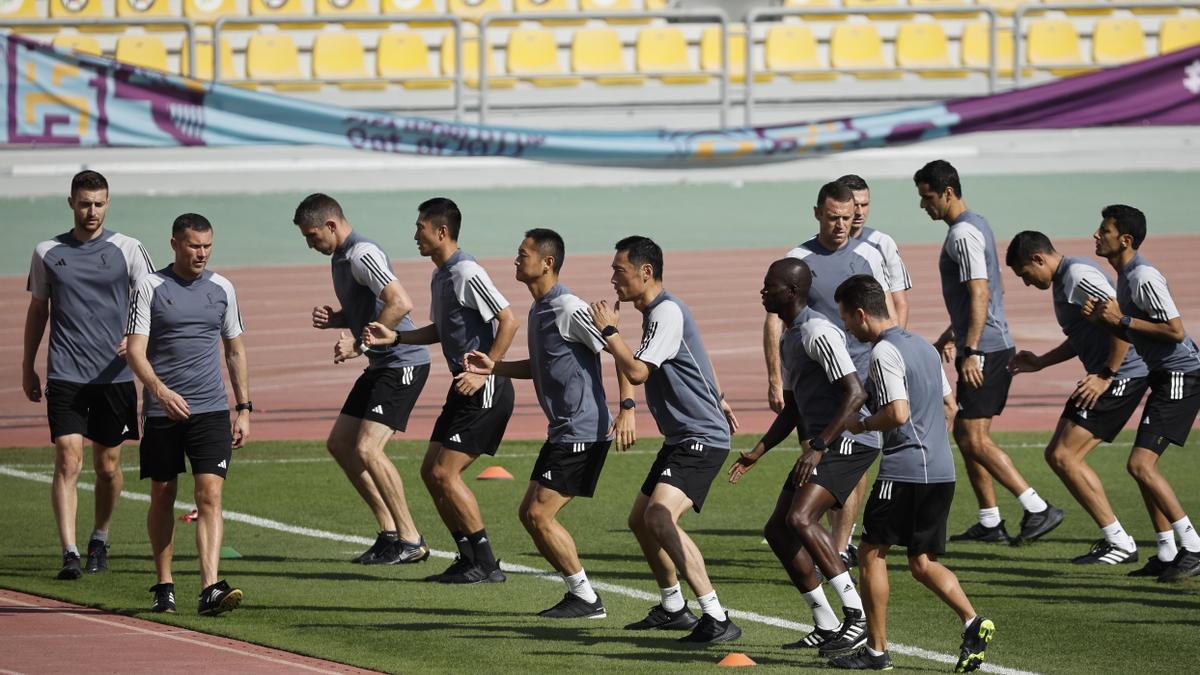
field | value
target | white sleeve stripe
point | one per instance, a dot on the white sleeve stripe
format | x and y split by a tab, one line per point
482	291
585	319
376	271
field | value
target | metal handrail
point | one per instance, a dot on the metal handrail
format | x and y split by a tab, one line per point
188	26
717	14
456	26
755	14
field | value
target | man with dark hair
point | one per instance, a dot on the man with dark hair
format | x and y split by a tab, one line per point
564	364
823	392
468	314
898	280
685	398
1109	393
910	501
1144	313
80	282
383	397
177	318
979	344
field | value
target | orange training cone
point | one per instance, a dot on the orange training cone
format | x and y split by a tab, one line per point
736	660
494	473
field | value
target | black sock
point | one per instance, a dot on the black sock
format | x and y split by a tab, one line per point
390	535
482	548
464	545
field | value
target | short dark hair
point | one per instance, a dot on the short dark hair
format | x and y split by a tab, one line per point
316	209
1023	247
190	221
643	251
854	181
835	190
939	175
442	211
1127	220
862	291
549	243
88	180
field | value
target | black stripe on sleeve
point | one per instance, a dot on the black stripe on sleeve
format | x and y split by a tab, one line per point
374	269
1155	301
964	264
1092	289
481	290
647	338
133	304
828	358
585	319
880	384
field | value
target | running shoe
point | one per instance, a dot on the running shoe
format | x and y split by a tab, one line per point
164	598
71	569
978	532
1034	525
219	598
862	660
709	631
851	635
975	639
660	619
1106	553
574	607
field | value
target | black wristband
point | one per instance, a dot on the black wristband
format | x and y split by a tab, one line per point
247	406
970	351
396	340
628	404
608	331
818	443
1107	373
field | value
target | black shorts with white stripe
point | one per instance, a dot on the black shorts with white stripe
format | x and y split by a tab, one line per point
1111	411
908	514
690	466
840	469
475	424
386	395
1170	410
987	400
570	469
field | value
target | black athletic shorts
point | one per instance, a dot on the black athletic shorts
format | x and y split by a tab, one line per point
908	514
840	469
571	469
386	395
988	400
1111	411
1170	410
205	439
104	413
475	424
689	466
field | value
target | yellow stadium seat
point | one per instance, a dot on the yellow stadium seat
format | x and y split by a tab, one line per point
143	51
655	5
403	54
922	44
204	60
1149	10
975	45
931	6
524	6
146	9
396	9
339	56
82	11
85	44
877	4
473	10
1004	7
1053	44
611	6
333	9
793	47
1105	10
279	9
1178	33
857	46
598	50
1118	41
208	11
470	63
664	50
710	55
531	52
21	9
273	56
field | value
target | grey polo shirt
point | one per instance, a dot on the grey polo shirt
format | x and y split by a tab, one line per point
969	252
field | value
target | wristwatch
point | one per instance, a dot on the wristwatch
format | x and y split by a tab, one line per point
1107	373
818	443
608	331
1126	320
396	340
628	404
970	351
247	406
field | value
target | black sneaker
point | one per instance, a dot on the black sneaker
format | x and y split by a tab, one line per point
164	598
1187	564
400	552
1034	525
380	544
849	556
660	619
574	607
460	563
978	532
71	569
219	598
862	660
851	635
1106	553
97	560
816	638
709	631
1153	568
973	650
476	573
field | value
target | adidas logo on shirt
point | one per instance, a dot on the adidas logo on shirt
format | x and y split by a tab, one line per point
222	465
378	410
126	429
546	475
61	263
455	439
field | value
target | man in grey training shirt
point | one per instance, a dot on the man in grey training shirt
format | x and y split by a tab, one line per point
80	282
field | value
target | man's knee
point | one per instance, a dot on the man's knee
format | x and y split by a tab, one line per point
1059	458
208	494
1141	468
658	518
801	521
919	566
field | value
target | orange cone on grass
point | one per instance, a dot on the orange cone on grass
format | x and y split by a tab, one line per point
494	473
736	659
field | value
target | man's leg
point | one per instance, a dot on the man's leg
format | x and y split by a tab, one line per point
160	525
342	446
538	513
369	445
210	526
938	578
110	480
842	521
661	565
1166	513
872	560
68	461
800	569
809	503
442	472
1066	454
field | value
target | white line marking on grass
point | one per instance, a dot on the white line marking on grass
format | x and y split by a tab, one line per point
277	526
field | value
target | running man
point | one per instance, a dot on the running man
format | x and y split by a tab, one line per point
383	397
823	392
685	398
1106	397
564	364
468	315
179	318
1144	313
80	282
979	345
910	501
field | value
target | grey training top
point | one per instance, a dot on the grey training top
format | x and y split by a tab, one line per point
360	272
88	286
969	252
893	264
185	322
1076	280
1142	293
564	357
906	367
463	307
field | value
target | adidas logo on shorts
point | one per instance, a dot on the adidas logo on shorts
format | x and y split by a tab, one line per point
1082	414
455	439
378	410
222	465
546	475
126	430
666	472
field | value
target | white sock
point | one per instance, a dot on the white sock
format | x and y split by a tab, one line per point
1031	501
1188	538
967	623
989	517
844	586
672	598
873	652
822	611
1117	536
850	539
74	549
710	605
578	585
1166	545
100	536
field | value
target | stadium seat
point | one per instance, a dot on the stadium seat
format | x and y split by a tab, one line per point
85	44
1178	33
204	60
976	45
146	9
533	51
710	54
273	56
1053	44
661	52
398	8
470	63
208	11
1149	10
1118	41
931	6
529	6
656	5
279	9
472	10
339	56
143	51
815	4
611	6
22	9
857	46
403	54
598	50
793	47
1003	7
1081	12
923	44
83	11
878	4
334	8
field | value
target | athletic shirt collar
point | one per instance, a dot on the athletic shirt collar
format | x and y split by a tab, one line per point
452	260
